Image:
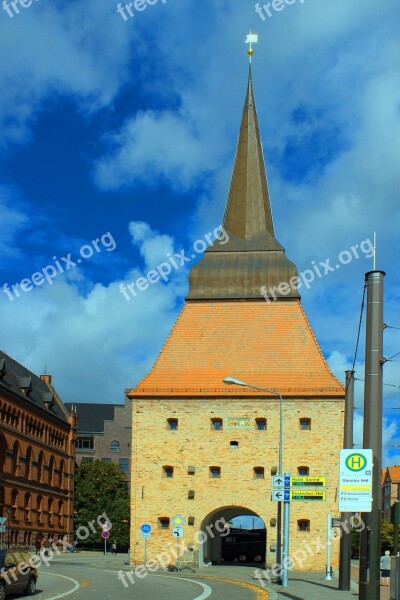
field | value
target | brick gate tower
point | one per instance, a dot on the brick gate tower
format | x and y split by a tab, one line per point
206	451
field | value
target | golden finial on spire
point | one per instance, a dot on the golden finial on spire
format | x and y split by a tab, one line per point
252	38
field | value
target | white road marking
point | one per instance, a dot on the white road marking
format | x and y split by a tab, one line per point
207	591
77	585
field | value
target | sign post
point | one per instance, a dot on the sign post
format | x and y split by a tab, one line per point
2	530
328	574
105	535
178	532
145	530
286	520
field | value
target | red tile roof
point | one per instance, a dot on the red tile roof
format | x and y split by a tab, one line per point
394	473
269	345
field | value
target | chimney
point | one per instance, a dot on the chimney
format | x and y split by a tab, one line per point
46	378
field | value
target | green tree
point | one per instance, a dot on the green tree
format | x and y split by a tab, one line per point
101	488
387	533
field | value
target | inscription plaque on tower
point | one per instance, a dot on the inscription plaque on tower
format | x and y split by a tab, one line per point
238	422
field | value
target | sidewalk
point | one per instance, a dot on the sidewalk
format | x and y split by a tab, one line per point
301	586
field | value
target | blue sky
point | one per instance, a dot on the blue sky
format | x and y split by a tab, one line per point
128	128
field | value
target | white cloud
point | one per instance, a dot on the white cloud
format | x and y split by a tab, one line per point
153	247
339	363
154	145
97	361
77	49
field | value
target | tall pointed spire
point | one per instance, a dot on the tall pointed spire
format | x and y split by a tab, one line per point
248	209
252	260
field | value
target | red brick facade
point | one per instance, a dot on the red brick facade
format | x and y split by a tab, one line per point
37	446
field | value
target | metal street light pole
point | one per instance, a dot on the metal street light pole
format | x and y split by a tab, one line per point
233	380
370	548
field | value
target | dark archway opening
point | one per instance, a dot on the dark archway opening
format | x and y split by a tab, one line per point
242	542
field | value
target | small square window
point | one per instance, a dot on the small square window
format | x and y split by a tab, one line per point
234	444
168	471
190	494
172	424
191	521
215	472
261	424
258	472
303	470
305	424
163	523
303	525
191	470
216	424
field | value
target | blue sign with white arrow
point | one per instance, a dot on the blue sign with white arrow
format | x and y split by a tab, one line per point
146	528
280	495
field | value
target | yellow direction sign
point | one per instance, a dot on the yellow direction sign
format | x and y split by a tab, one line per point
308	481
308	495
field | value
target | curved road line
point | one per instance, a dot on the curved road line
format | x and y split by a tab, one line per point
207	591
77	585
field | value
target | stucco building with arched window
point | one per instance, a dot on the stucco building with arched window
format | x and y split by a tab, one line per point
37	450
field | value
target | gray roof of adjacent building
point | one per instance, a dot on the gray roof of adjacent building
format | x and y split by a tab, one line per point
91	416
17	380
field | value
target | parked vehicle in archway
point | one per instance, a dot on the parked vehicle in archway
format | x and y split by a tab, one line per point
244	545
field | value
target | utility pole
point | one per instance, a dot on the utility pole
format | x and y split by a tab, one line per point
345	540
370	547
396	522
286	546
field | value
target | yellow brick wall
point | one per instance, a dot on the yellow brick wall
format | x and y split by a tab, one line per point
196	444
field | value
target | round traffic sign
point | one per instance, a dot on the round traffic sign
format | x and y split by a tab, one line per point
105	534
146	528
356	462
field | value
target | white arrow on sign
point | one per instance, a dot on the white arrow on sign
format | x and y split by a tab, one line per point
281	495
278	495
177	532
278	481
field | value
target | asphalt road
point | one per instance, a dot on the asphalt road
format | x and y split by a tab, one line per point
83	579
